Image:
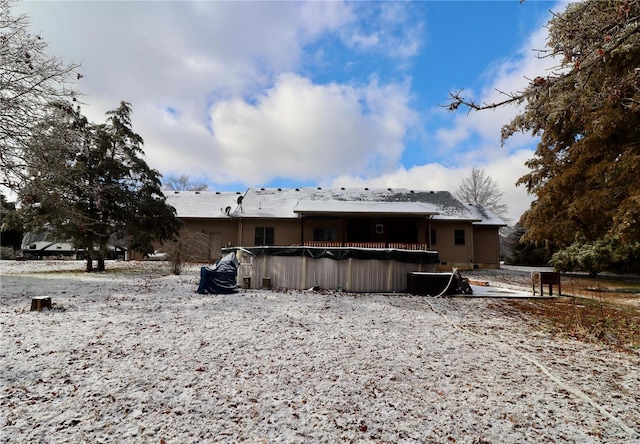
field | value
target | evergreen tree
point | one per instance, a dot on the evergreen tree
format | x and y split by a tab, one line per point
10	228
524	252
93	186
585	171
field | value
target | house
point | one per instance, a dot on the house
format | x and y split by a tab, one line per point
43	244
465	236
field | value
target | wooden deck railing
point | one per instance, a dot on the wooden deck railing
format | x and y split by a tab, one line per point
388	245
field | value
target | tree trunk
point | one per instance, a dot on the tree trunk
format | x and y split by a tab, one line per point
104	245
89	262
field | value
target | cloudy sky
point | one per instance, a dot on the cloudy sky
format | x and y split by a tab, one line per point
240	94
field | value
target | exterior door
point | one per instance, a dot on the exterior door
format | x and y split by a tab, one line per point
215	245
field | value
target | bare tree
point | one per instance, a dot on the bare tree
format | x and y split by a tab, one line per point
185	248
183	183
480	189
30	80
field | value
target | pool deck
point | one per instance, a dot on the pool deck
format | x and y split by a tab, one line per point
482	291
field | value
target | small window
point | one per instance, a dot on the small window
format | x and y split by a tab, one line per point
433	236
323	234
458	236
264	236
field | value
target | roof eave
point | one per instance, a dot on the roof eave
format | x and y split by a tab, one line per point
364	213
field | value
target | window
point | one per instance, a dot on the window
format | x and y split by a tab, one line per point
264	236
458	236
324	234
433	236
401	229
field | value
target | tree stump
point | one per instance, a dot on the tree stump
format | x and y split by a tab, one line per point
40	302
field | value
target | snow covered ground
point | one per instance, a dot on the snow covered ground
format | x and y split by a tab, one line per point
135	355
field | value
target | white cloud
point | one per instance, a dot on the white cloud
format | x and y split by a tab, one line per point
224	70
473	141
309	132
241	112
505	77
452	137
180	53
505	171
385	26
487	124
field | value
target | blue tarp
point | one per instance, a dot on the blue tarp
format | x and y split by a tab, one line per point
221	278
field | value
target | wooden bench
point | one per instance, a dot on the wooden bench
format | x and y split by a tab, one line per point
549	278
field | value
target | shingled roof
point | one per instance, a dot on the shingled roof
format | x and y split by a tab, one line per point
202	204
285	203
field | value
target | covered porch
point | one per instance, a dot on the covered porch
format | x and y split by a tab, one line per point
379	225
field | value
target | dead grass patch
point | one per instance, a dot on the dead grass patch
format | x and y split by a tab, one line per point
586	319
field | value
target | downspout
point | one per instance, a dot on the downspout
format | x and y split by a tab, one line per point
470	248
498	242
344	229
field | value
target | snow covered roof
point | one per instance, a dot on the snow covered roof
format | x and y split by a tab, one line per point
359	207
204	204
287	203
486	216
291	202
